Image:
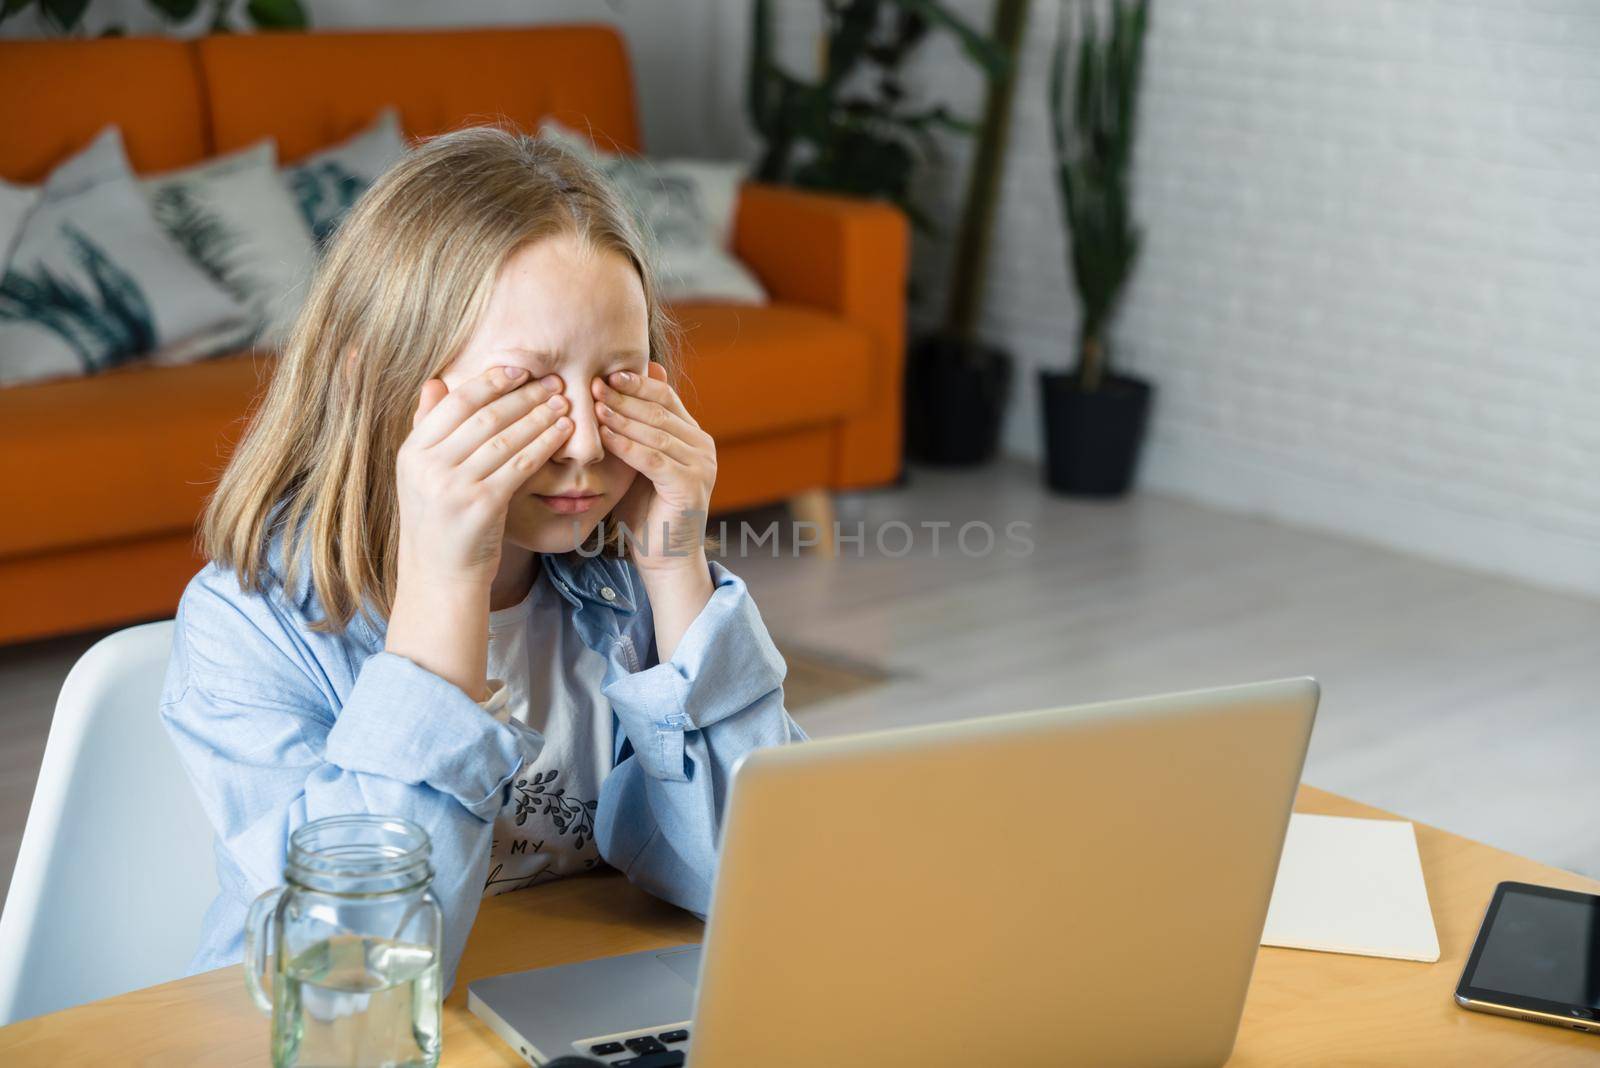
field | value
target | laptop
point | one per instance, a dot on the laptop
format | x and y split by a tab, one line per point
1069	886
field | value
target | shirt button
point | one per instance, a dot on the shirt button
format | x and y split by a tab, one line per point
608	593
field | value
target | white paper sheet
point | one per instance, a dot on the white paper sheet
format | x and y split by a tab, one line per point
1352	886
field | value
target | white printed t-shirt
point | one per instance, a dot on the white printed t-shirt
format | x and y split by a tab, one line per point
550	680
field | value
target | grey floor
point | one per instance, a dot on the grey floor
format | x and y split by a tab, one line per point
1455	698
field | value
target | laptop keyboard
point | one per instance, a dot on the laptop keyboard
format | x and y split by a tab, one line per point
645	1051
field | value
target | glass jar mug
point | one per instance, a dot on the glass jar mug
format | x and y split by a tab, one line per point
345	956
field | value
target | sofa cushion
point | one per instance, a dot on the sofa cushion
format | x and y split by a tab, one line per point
55	96
124	454
439	81
755	370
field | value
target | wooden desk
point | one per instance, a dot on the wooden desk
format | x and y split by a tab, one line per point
1303	1008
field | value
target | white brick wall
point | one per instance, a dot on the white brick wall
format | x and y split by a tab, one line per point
1370	296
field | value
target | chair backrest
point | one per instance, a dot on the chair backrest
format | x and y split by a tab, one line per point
116	867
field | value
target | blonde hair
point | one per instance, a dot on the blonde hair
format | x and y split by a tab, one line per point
401	288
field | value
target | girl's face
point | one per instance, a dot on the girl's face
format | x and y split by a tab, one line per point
561	306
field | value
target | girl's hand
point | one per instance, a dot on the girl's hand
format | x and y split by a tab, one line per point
643	421
468	452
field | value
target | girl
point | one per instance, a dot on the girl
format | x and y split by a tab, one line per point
412	607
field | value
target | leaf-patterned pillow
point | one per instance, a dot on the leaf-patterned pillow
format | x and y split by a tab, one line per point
327	183
92	281
16	201
234	218
688	207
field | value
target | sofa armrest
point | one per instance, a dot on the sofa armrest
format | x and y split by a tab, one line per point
850	257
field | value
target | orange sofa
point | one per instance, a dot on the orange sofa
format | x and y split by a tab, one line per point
105	475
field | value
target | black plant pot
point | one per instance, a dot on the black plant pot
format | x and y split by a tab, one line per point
955	398
1092	440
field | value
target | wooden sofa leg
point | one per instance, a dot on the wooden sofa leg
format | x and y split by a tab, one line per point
816	507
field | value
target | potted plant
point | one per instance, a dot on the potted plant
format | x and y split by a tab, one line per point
956	384
854	130
1094	419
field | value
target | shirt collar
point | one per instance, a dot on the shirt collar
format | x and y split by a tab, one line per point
602	580
278	561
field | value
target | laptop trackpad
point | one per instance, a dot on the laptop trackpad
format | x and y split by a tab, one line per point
685	962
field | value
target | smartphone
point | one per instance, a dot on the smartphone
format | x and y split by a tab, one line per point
1537	958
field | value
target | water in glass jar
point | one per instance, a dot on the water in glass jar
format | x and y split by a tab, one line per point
353	1002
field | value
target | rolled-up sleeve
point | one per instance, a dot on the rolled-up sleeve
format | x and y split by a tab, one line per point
689	720
408	724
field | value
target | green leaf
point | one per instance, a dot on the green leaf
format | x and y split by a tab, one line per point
1088	83
65	14
176	10
939	116
11	7
277	14
1058	87
983	51
849	40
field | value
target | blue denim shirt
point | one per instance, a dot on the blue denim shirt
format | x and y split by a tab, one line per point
278	724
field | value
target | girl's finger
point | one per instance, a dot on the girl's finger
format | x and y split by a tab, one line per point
433	391
464	400
650	462
651	389
499	418
645	434
653	414
510	476
498	449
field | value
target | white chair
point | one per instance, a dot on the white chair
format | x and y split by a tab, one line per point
116	868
